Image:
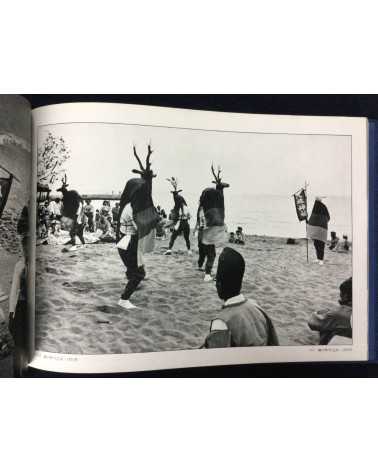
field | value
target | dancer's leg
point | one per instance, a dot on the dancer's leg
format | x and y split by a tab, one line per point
123	255
186	231
319	248
79	231
73	234
201	252
173	238
134	274
210	253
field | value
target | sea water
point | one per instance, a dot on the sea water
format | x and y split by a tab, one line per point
270	215
276	215
266	215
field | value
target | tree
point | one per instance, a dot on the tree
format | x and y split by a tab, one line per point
51	156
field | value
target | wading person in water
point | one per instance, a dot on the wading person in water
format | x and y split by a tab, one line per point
241	322
136	227
210	223
180	218
317	228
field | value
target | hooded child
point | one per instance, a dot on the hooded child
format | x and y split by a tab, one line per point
136	227
241	322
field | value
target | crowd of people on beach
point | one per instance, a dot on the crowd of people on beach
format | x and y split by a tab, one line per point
134	222
49	217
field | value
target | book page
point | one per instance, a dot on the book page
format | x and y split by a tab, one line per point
15	177
175	238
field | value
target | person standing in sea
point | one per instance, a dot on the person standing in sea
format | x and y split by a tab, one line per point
317	228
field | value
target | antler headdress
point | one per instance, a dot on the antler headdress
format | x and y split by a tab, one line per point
64	184
217	178
145	171
174	182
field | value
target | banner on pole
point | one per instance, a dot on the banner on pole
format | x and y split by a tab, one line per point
5	186
300	200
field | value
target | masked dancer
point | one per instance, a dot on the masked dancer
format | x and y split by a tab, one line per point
136	227
210	223
179	218
72	213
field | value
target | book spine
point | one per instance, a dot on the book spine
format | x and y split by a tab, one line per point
373	240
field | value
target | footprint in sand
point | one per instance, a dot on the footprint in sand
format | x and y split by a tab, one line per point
109	309
55	271
160	300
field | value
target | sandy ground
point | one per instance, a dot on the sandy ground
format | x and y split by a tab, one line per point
77	295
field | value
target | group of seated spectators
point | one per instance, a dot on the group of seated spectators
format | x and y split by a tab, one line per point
49	215
237	237
339	246
105	219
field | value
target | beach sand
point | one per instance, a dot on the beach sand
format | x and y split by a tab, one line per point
77	295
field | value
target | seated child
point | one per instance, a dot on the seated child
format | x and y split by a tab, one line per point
334	241
232	238
241	322
338	322
239	237
344	245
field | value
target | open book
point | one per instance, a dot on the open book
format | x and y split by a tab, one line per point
162	238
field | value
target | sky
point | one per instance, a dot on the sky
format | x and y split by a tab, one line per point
253	164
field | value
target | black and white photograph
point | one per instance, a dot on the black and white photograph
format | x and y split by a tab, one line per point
166	238
15	176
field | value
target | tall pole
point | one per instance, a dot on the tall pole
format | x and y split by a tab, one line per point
306	185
